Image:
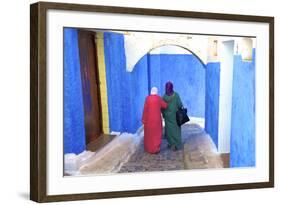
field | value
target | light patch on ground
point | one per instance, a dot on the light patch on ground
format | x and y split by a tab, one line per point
109	159
197	120
200	151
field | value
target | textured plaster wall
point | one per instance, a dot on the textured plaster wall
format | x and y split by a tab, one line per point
242	146
126	90
212	100
117	87
73	124
188	76
139	90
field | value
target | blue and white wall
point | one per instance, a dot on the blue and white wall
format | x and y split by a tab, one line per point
127	90
230	100
216	84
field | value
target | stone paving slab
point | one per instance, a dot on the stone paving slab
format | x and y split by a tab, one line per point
125	155
198	153
163	161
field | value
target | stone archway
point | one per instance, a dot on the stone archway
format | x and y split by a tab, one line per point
188	75
195	53
138	44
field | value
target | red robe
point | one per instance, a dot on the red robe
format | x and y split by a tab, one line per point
151	118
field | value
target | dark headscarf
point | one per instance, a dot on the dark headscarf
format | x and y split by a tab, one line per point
169	88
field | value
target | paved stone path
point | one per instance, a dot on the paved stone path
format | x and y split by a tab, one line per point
198	152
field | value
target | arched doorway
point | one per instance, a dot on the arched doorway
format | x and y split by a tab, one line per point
170	62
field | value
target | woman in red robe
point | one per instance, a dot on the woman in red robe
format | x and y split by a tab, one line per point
152	121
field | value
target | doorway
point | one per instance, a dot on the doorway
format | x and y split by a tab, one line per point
225	102
90	85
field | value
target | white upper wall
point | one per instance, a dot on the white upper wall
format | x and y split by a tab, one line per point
137	44
206	48
225	100
170	49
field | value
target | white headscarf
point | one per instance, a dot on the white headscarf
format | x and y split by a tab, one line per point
154	91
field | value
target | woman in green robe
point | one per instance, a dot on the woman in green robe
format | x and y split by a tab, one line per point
172	130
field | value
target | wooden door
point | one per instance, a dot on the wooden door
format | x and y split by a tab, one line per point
90	85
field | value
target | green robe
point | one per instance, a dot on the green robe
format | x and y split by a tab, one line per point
172	130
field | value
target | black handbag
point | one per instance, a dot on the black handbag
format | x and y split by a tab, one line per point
181	116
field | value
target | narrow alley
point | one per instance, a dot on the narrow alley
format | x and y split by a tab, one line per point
125	154
198	152
107	83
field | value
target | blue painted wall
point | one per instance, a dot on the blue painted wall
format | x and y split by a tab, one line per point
115	62
188	76
154	71
242	146
212	100
73	124
126	90
139	90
